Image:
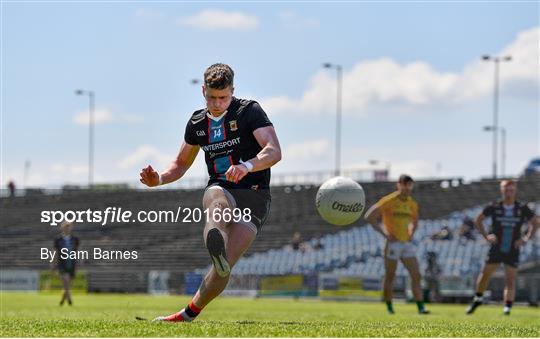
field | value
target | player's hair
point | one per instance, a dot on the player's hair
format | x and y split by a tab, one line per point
508	182
404	178
218	76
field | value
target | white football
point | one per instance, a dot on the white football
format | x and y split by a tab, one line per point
340	201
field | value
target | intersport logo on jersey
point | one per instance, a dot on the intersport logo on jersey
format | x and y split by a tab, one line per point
221	144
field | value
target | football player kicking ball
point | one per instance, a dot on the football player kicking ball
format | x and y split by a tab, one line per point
399	213
507	217
240	146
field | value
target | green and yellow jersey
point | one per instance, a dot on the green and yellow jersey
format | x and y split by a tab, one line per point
397	214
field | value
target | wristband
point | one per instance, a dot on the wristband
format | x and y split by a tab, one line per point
248	165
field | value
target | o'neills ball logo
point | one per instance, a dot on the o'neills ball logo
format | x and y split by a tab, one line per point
318	199
351	208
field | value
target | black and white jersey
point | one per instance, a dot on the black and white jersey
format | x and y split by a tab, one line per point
506	222
66	243
229	140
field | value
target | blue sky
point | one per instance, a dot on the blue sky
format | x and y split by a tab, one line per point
415	91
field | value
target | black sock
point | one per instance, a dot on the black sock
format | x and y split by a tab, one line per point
389	306
509	303
192	311
479	295
420	305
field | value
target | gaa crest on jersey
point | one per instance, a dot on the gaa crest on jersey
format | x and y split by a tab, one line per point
233	126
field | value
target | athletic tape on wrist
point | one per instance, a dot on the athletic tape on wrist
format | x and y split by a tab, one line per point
248	165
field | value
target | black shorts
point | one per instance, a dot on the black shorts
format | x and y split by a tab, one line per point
495	256
66	269
256	200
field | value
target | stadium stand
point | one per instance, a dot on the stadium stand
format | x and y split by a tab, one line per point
358	251
179	247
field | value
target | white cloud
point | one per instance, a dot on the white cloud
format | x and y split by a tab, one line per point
102	116
524	51
384	85
144	155
70	170
58	168
78	170
415	168
461	158
292	20
307	150
213	19
60	173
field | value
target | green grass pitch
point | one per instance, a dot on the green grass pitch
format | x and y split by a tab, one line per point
113	315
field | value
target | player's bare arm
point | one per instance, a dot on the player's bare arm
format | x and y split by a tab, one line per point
269	155
176	169
534	224
479	223
373	216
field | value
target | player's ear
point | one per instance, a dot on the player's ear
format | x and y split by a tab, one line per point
203	91
232	90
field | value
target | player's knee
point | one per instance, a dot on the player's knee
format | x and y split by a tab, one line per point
215	197
219	204
216	207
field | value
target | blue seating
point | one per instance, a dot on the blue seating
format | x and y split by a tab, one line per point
359	251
